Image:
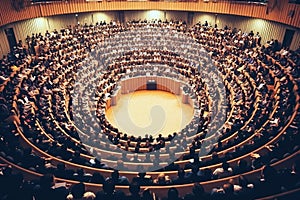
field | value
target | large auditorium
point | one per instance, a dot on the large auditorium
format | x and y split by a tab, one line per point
149	99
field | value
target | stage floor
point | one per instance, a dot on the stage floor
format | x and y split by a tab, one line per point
150	112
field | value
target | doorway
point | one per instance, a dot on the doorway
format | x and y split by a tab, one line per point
10	35
288	37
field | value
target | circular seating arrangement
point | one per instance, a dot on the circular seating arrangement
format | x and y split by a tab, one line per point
58	97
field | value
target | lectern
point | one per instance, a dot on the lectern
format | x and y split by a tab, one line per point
151	85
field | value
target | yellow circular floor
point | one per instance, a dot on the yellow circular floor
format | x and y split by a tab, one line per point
149	112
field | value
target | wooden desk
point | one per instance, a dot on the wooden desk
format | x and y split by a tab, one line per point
140	83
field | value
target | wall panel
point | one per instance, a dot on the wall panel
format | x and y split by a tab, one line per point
155	14
177	15
1	18
241	9
281	12
295	21
4	46
27	27
104	16
85	18
93	17
62	21
296	41
149	15
202	17
259	11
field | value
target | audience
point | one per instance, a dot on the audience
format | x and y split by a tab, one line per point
39	96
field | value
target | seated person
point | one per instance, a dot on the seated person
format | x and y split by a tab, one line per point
117	179
162	179
223	171
143	179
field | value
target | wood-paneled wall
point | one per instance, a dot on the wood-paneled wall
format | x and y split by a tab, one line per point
147	14
4	46
296	41
279	11
156	14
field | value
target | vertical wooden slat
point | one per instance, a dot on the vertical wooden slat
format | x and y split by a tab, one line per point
4	46
295	21
296	41
259	11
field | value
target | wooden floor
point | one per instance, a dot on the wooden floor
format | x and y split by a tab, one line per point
150	112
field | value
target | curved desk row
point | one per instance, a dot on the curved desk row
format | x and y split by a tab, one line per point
161	83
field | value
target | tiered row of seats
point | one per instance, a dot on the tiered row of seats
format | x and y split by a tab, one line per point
260	125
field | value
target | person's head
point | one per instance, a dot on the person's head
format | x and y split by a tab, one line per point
89	196
243	181
7	171
78	190
80	172
172	193
232	181
54	143
115	175
47	181
242	163
198	189
97	178
120	164
147	194
228	188
161	178
196	158
214	155
142	174
109	187
195	170
61	193
61	166
134	188
225	165
76	154
180	173
268	172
